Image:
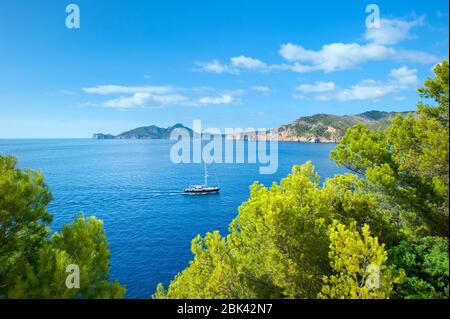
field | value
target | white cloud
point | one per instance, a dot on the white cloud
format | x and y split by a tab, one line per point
301	68
342	56
60	92
400	79
144	99
416	56
392	31
378	46
215	67
216	100
365	90
119	89
244	62
126	102
294	67
292	52
140	96
236	64
261	89
66	92
316	87
330	58
174	99
158	96
404	77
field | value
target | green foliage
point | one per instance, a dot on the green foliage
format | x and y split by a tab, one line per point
298	239
436	89
259	255
213	264
407	168
276	230
408	163
85	241
426	263
359	265
44	278
23	215
33	265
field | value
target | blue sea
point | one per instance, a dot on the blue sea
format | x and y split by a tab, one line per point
133	186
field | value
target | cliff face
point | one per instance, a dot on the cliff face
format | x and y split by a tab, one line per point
140	133
328	134
322	128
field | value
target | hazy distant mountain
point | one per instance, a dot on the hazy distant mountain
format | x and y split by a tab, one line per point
325	128
142	133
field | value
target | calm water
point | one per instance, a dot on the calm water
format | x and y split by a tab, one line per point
135	188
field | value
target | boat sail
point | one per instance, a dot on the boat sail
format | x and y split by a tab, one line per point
202	189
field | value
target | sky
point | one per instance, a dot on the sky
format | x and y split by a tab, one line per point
258	64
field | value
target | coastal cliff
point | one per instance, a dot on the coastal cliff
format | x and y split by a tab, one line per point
321	128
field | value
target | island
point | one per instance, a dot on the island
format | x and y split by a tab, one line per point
143	133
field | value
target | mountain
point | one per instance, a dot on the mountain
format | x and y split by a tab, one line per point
318	128
141	133
324	128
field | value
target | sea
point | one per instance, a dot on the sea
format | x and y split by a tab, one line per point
137	190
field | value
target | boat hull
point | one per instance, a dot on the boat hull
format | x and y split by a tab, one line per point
200	191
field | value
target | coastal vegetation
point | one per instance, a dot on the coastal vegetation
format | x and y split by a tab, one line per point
33	262
380	231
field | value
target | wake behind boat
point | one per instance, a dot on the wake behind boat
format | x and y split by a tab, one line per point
202	189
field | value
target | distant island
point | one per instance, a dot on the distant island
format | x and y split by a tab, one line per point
142	133
318	128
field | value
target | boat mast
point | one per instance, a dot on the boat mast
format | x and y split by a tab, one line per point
206	176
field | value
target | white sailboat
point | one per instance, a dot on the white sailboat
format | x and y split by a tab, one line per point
202	189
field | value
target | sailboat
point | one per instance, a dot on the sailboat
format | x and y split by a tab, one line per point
202	189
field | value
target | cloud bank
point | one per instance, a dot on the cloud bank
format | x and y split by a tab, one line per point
380	45
399	80
156	96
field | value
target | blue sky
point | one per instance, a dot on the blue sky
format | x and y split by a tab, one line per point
229	63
